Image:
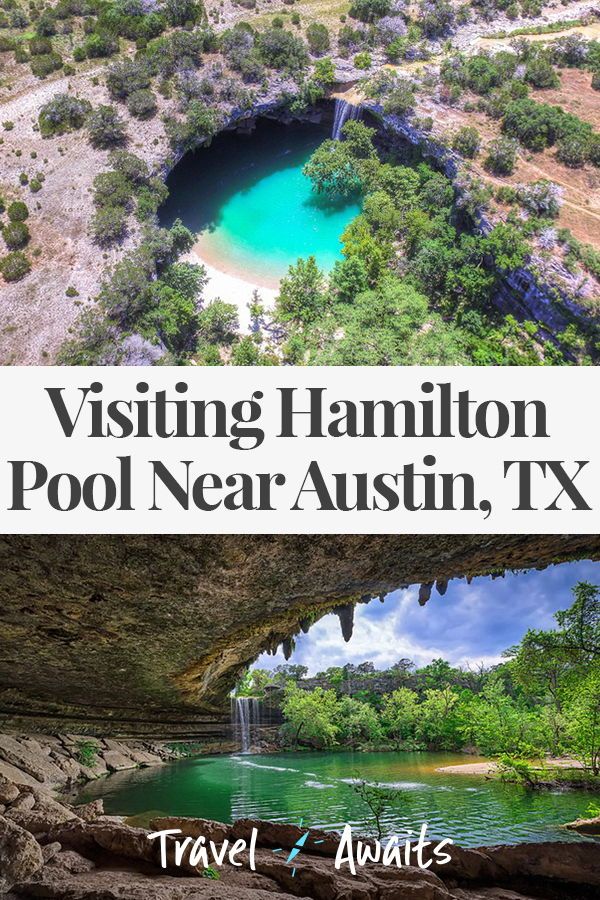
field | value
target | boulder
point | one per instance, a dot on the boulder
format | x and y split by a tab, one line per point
54	884
23	801
143	758
50	850
32	762
20	853
69	766
585	826
278	834
73	862
42	814
117	761
573	862
194	828
114	838
14	774
8	791
89	812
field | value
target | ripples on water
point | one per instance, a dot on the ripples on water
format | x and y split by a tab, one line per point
317	788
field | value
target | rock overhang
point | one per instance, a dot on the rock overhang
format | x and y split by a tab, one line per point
146	635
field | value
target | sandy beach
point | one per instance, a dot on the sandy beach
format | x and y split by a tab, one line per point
487	768
231	288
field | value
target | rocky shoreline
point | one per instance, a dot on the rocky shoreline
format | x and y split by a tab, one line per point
50	848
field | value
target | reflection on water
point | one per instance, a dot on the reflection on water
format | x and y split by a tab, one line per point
253	209
316	787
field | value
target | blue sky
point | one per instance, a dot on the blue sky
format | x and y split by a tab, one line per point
468	625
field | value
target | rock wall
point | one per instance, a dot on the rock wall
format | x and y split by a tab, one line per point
144	636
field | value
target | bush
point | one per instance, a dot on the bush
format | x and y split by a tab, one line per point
105	127
540	73
282	50
39	46
16	235
542	198
17	211
400	99
142	104
98	46
363	60
129	165
14	266
62	113
126	77
370	10
501	156
109	224
317	36
112	189
596	80
467	141
574	147
41	66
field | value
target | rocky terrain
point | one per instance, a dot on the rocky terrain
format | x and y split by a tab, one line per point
51	849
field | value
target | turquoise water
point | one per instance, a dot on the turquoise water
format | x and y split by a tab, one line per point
317	787
253	209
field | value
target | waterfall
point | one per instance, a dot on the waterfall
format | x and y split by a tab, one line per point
343	111
246	716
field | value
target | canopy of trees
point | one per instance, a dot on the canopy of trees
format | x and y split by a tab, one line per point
544	699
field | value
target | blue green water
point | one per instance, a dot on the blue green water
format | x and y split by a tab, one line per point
317	787
253	209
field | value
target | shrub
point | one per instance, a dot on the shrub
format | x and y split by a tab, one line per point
129	165
542	198
41	66
17	211
14	266
596	80
8	125
370	10
317	36
573	148
142	104
280	49
112	189
98	46
126	77
467	141
540	73
501	156
62	113
105	127
87	751
363	60
109	224
400	99
16	235
39	46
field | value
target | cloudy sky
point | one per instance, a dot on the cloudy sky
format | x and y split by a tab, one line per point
468	625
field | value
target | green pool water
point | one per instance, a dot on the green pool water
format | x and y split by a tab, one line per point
316	787
254	211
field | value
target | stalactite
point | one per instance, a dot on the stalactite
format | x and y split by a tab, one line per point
345	614
425	592
442	586
287	647
305	625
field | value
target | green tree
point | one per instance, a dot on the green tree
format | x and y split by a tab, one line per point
310	716
302	295
400	715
